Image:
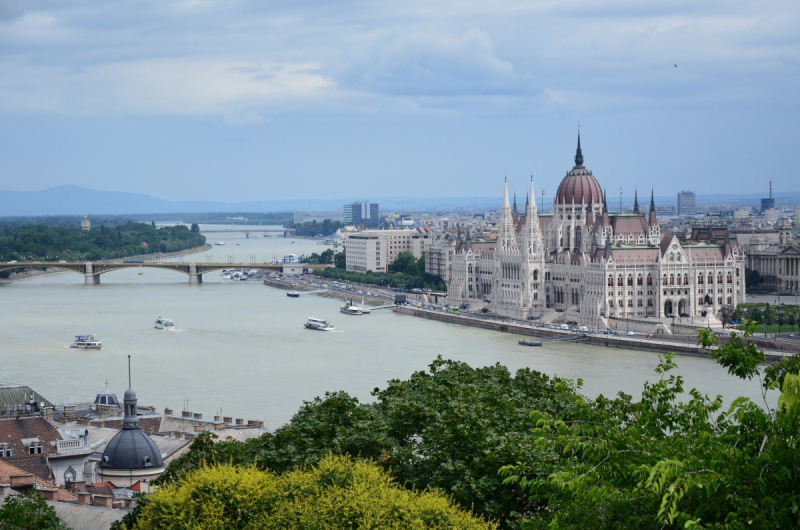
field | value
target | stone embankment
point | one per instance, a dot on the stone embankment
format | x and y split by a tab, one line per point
610	341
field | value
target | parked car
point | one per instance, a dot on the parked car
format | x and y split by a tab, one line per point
630	334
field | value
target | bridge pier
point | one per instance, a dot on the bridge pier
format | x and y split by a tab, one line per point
194	278
88	277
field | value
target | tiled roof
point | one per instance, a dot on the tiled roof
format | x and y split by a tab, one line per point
6	470
14	430
35	464
629	224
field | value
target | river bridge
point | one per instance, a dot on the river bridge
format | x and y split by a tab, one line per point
92	271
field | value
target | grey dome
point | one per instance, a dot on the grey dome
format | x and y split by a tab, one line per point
130	394
131	449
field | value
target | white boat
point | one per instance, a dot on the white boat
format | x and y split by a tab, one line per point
293	294
220	243
350	309
164	323
86	342
319	325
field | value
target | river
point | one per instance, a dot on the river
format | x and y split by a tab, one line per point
240	348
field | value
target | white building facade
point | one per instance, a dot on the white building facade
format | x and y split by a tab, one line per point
591	265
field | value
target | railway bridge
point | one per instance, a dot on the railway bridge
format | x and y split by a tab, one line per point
92	271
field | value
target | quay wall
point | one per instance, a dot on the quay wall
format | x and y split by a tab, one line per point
610	341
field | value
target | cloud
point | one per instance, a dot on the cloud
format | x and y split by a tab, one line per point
244	59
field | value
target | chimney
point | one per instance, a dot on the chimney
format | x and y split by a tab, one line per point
216	418
252	422
261	424
227	419
5	489
168	411
84	497
239	421
76	485
23	480
103	500
48	413
199	428
186	414
48	494
148	430
219	425
198	416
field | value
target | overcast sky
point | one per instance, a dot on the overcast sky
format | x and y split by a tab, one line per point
241	100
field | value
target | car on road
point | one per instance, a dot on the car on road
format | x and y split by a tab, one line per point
629	334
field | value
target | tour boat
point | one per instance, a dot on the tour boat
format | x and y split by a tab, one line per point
293	294
164	323
220	243
319	325
530	342
87	342
350	309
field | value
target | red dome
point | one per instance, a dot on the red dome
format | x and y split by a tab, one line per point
577	186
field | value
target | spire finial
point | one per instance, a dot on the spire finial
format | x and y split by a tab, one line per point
652	200
129	371
578	153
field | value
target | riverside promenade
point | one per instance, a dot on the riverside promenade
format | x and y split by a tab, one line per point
659	343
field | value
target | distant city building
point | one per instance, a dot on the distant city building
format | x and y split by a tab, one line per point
741	213
768	202
359	213
797	216
375	250
772	215
301	217
437	259
778	264
86	225
686	203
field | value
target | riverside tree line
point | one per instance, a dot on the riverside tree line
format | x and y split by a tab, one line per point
41	242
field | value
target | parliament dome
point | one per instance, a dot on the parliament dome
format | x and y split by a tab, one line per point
579	185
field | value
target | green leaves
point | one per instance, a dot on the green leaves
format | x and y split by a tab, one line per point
740	359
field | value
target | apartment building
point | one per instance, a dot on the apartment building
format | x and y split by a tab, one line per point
375	250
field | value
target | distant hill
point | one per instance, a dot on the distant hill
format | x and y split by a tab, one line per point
75	200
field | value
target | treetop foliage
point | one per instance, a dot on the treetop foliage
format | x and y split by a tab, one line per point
29	512
335	493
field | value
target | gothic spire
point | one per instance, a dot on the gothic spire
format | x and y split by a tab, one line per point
635	201
578	153
652	201
605	206
515	202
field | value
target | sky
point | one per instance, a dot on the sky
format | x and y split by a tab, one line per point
240	100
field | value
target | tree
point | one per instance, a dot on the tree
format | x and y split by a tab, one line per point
726	314
781	320
754	314
29	512
340	260
752	278
791	319
665	463
738	315
450	429
195	228
769	315
338	492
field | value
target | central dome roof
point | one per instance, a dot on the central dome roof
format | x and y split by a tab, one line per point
131	449
579	185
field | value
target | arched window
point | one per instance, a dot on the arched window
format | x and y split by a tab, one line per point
536	275
710	279
665	280
619	280
630	281
700	278
70	475
685	279
649	280
671	256
611	281
639	281
672	279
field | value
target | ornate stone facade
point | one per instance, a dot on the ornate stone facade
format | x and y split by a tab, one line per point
584	261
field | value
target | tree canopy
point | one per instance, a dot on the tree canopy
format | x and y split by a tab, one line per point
29	512
48	243
406	271
337	492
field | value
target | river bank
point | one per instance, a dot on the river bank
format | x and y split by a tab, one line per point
609	341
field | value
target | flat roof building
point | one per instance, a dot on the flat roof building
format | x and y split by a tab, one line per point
361	213
375	250
686	203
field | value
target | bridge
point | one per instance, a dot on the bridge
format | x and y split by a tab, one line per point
92	271
287	232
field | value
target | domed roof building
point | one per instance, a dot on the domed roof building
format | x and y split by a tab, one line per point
131	456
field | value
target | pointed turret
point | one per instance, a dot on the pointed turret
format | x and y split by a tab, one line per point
578	153
607	253
515	203
506	227
652	221
605	206
533	232
636	201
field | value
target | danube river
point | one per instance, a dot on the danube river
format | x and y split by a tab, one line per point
240	347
